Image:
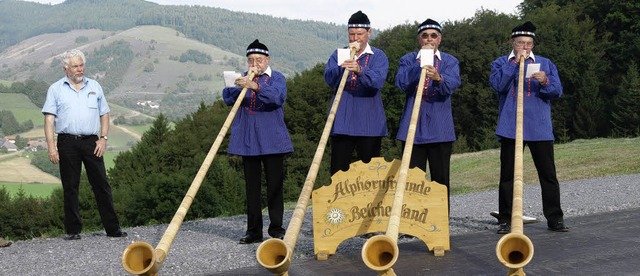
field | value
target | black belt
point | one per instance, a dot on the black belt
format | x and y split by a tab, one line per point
76	137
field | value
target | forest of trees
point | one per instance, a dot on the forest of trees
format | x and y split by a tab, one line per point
593	43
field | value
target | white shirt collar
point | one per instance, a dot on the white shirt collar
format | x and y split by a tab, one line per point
531	55
367	50
268	71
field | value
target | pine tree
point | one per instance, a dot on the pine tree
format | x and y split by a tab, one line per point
143	158
625	117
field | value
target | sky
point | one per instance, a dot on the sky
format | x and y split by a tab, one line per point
383	14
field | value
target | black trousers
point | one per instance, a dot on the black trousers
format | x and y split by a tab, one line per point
342	147
543	158
75	151
274	174
438	156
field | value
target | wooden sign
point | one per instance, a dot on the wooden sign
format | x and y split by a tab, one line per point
359	201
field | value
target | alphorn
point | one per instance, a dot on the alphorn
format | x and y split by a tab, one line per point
515	250
140	258
380	252
275	254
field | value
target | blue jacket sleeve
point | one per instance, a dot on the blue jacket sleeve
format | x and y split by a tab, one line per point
274	92
553	89
503	75
332	71
408	74
450	73
230	94
374	75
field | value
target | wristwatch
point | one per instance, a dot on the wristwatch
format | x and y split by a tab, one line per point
104	137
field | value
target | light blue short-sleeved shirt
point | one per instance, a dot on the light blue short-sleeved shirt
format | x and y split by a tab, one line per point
77	111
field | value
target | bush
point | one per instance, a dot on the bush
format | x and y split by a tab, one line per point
26	217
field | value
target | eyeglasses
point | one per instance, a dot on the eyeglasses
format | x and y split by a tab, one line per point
521	43
255	60
426	35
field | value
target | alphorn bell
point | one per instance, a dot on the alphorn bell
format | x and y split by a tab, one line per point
380	252
139	258
515	250
275	254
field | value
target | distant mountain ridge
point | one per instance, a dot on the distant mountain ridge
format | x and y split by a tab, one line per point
149	38
295	45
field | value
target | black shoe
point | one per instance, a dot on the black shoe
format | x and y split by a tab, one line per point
557	227
504	228
278	236
247	239
72	237
117	234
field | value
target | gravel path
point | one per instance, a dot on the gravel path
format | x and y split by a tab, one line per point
210	245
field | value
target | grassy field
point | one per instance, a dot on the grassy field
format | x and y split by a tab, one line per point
580	159
139	128
108	158
36	190
23	109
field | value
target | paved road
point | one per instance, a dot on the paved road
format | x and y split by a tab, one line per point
602	244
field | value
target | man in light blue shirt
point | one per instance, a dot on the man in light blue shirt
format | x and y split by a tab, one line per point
77	109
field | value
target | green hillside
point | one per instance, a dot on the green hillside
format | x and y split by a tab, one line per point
231	31
134	47
22	108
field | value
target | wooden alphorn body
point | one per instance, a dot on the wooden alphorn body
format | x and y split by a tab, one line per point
515	250
140	258
380	252
275	254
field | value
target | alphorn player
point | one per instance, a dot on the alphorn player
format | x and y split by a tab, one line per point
360	121
260	136
435	134
541	85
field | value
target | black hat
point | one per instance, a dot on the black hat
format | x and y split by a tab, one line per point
430	24
359	20
257	48
526	29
